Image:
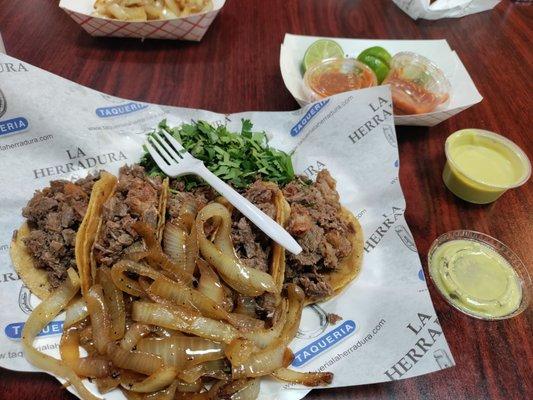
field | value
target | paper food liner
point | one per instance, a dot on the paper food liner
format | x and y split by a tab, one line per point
191	28
463	90
2	47
389	329
444	8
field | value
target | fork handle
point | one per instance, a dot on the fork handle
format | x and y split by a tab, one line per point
270	227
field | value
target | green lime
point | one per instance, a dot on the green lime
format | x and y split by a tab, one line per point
378	52
375	64
320	50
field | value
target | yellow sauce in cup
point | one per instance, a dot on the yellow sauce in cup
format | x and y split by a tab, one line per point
482	165
474	274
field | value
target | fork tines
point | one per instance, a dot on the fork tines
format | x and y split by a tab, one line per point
164	148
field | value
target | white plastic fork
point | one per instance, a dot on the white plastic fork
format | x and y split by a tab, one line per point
175	161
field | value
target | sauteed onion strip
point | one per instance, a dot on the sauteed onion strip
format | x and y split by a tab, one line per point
180	324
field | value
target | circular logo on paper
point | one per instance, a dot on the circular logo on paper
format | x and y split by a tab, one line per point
3	104
314	321
390	135
25	300
406	238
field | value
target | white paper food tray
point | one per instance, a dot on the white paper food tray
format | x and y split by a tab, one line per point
191	28
464	93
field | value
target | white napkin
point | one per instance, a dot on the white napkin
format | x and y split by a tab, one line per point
444	8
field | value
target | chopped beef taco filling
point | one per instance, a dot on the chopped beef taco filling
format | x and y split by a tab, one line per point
54	215
136	198
316	224
252	246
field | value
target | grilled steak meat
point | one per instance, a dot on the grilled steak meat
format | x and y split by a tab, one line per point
317	225
136	198
54	215
252	246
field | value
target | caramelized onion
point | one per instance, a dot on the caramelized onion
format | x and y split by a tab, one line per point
180	240
133	335
76	312
107	384
86	340
263	362
264	337
128	285
242	389
164	394
209	284
184	296
245	280
192	250
155	255
182	351
160	379
193	396
183	320
191	374
245	305
245	323
213	369
114	301
41	316
137	361
276	354
69	345
187	212
310	379
186	387
161	332
294	313
99	318
92	367
175	244
240	350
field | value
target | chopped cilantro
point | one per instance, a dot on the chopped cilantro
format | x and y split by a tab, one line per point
237	158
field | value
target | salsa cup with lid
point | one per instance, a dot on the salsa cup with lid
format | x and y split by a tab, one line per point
336	75
479	275
418	86
482	165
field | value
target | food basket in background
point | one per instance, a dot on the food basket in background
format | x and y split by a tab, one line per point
191	28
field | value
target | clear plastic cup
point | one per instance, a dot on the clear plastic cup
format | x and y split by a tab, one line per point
461	262
337	75
418	86
482	165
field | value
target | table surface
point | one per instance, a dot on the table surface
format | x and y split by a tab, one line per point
236	68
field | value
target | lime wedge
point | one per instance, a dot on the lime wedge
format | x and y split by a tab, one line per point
375	64
378	52
320	50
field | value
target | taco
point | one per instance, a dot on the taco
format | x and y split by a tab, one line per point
330	236
135	198
56	232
